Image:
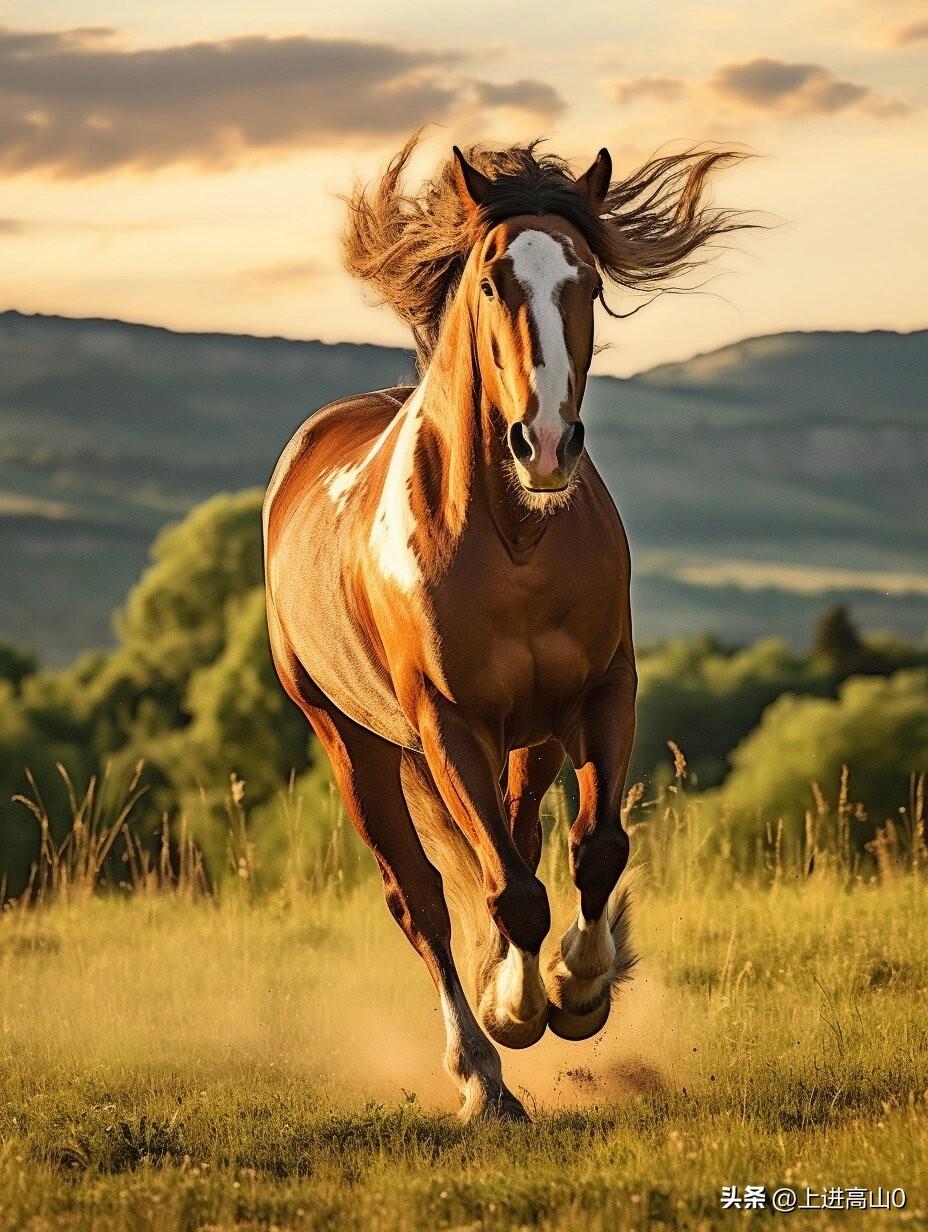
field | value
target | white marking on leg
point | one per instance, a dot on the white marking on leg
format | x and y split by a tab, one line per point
541	267
394	521
470	1059
514	1004
594	956
519	992
588	949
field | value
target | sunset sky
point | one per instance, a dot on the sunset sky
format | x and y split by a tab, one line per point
181	164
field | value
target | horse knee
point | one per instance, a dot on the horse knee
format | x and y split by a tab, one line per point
521	913
599	860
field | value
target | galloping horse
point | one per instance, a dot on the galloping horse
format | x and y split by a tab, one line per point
448	578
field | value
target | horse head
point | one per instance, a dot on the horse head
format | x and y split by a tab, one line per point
533	282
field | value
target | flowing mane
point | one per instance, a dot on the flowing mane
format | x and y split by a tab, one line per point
411	247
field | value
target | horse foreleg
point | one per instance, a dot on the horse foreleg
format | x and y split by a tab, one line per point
530	773
368	772
513	1005
595	952
513	1002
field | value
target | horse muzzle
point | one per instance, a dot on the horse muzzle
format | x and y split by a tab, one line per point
545	459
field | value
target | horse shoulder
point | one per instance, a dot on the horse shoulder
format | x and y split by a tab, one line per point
332	437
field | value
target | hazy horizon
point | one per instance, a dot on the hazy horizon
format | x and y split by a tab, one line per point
305	338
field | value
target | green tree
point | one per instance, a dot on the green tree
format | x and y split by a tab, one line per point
39	729
190	689
837	640
707	699
16	664
877	727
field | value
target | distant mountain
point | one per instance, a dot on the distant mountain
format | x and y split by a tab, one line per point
797	461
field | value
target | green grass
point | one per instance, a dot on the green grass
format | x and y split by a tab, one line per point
169	1063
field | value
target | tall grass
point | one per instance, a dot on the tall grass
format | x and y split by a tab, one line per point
679	838
98	831
184	1050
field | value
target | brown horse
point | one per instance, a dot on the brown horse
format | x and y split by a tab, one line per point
448	578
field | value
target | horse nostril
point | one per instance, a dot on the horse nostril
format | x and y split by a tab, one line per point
571	445
519	443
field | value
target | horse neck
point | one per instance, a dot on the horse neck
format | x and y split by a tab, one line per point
451	412
473	454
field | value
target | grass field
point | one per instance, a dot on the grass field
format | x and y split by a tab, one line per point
183	1062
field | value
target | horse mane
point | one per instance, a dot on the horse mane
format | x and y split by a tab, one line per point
411	247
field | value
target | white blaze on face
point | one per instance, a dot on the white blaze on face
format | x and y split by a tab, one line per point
394	521
541	267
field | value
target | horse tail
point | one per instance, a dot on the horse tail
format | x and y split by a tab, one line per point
477	943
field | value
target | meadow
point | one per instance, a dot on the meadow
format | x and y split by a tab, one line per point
177	1058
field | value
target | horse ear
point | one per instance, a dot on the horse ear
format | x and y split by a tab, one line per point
594	183
473	185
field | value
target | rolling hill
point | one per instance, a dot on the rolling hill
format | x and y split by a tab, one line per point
757	483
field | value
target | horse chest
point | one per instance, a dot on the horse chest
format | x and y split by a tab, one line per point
523	644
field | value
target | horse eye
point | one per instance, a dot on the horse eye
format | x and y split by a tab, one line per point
487	288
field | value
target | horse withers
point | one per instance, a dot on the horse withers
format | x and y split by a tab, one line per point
448	578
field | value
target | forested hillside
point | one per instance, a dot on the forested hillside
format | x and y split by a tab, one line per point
757	483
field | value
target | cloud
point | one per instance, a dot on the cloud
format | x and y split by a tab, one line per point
107	229
77	103
283	273
917	32
659	89
536	98
887	108
769	85
773	84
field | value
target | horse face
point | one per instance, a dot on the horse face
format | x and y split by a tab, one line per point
536	285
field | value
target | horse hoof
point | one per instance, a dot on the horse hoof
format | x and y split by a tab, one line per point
505	1107
494	1105
576	1027
510	1032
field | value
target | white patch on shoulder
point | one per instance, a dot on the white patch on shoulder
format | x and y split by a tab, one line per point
540	265
394	522
339	482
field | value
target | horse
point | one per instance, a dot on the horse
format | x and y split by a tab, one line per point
448	578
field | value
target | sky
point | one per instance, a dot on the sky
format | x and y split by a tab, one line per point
181	164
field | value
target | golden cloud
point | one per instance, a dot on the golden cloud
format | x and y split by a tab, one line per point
76	103
656	89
